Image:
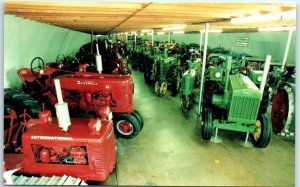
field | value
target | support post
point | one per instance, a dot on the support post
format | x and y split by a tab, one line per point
265	74
200	43
287	47
203	68
135	40
169	37
92	34
152	37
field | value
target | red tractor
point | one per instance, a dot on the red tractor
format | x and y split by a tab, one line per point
88	92
79	147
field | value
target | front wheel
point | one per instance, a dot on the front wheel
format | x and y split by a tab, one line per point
207	127
262	135
126	126
186	105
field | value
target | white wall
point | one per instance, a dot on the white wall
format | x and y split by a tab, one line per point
260	43
25	39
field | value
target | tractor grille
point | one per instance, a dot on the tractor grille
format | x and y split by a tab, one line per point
187	84
243	109
245	100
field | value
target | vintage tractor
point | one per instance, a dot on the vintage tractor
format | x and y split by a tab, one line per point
283	106
167	73
235	104
187	86
86	92
79	147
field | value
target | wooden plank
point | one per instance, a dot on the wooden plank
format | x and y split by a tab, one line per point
71	12
73	4
273	7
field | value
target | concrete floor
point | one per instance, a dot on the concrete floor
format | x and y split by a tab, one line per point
170	151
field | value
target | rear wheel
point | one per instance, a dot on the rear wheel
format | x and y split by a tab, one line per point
163	88
265	101
139	117
176	84
262	136
156	87
126	126
207	127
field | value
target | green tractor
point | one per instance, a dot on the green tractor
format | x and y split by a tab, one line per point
234	104
187	86
166	73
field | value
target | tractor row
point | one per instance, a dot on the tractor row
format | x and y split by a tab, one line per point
237	89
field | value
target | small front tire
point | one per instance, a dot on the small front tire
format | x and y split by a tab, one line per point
207	127
126	126
262	136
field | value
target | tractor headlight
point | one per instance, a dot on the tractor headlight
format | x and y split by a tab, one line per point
259	78
217	74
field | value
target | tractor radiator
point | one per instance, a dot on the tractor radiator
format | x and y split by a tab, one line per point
187	83
245	100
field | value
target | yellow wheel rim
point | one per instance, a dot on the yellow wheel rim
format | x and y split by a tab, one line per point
257	134
164	88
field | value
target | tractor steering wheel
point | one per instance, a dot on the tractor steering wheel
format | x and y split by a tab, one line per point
60	58
36	65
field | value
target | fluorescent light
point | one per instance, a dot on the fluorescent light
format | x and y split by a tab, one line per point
264	17
265	29
178	32
178	27
215	30
289	15
145	30
159	33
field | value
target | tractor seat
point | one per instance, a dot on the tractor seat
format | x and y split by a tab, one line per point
26	75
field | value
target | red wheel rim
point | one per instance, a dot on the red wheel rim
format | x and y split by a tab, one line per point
124	127
280	109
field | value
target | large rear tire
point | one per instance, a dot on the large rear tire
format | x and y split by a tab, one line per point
156	87
139	117
176	84
207	127
163	88
262	136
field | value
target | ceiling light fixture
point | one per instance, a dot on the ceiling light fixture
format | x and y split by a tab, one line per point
266	29
178	32
145	30
178	27
264	17
159	33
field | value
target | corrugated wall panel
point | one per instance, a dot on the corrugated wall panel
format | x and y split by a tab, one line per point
25	39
